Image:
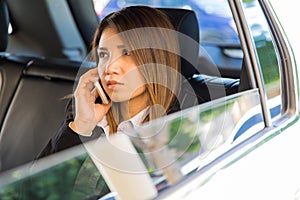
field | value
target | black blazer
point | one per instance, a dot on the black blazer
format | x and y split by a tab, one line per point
65	137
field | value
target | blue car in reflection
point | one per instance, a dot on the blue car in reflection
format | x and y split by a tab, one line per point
213	16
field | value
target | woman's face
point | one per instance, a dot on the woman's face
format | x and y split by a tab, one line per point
117	68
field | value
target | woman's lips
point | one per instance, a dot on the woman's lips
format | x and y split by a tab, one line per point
112	84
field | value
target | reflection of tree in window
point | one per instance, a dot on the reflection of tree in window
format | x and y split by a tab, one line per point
265	49
270	70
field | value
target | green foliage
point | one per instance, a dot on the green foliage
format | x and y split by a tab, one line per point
268	62
55	183
247	1
184	136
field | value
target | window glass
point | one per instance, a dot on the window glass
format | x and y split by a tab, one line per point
267	54
214	16
220	53
171	149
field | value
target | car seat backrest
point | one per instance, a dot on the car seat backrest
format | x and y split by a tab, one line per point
36	110
52	34
11	69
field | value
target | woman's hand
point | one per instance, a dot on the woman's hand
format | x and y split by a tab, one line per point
87	112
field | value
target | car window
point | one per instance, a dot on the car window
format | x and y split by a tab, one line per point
213	16
219	42
171	148
267	54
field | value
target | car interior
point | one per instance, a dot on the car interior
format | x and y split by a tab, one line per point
238	105
37	76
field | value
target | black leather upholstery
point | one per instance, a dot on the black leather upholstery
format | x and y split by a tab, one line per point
210	88
4	20
185	22
85	18
10	75
34	106
34	116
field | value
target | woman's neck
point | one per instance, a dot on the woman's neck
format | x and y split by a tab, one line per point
132	107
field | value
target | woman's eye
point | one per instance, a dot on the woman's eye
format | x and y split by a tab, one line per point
103	54
125	52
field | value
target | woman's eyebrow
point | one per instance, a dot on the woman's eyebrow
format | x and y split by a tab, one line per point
121	46
102	48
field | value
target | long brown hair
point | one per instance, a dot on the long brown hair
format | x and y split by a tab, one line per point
149	32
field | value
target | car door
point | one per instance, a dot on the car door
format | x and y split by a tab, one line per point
257	165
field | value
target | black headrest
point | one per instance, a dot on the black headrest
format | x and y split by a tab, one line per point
4	20
85	18
185	22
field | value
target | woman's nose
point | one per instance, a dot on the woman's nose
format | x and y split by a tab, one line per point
113	67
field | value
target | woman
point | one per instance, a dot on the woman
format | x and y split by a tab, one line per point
136	52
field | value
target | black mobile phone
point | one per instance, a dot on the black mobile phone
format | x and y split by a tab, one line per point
101	93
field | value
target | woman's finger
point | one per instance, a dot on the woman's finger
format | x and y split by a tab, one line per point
86	84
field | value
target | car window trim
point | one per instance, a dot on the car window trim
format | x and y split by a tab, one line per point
247	44
287	67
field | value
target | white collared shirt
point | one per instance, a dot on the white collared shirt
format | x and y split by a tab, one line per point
132	123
